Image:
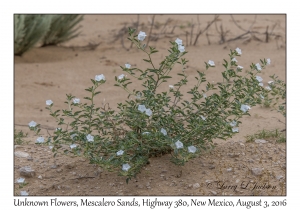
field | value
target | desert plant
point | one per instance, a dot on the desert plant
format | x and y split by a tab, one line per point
62	29
18	137
152	122
278	93
29	30
276	135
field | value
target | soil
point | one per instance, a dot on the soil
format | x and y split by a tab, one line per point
232	168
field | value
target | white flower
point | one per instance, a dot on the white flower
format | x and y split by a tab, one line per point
100	77
73	146
181	48
76	100
145	133
142	108
258	67
121	76
141	36
171	86
238	50
268	61
268	88
233	123
40	140
192	149
127	65
178	41
20	180
90	138
211	63
163	131
262	97
73	135
50	147
148	112
235	130
234	59
126	167
240	67
245	108
259	79
270	82
261	84
179	144
203	118
49	102
32	124
120	152
24	193
204	95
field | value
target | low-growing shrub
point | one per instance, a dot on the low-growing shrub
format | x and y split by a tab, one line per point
152	122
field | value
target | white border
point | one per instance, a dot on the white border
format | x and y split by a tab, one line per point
153	6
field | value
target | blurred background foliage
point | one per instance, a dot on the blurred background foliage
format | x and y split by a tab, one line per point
43	30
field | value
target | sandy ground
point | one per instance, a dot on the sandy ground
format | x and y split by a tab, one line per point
51	72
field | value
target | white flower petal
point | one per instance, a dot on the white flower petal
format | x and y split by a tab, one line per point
148	112
258	66
49	102
179	144
211	63
171	86
76	100
40	140
268	61
181	48
192	149
233	123
141	36
238	50
100	77
21	180
32	124
178	41
163	131
120	152
268	88
234	60
245	108
235	130
240	67
126	167
90	138
73	146
24	193
142	108
259	79
121	76
127	65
